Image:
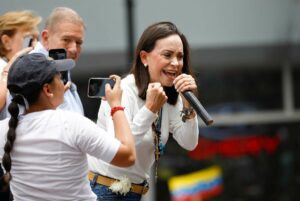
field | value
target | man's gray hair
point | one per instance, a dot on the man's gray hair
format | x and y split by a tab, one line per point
63	14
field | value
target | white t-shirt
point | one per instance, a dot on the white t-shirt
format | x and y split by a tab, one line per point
141	119
49	155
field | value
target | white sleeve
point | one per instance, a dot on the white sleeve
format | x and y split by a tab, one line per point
3	133
140	119
92	139
102	114
185	133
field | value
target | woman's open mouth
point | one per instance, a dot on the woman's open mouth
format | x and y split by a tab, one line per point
170	74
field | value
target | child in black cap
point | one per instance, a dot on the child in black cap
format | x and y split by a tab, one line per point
44	149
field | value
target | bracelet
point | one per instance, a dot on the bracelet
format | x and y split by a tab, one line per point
186	113
115	109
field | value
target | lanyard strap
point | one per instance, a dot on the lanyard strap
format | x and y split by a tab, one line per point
159	147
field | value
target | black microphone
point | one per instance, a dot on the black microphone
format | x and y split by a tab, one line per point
196	105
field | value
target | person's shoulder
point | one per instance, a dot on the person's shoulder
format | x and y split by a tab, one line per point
39	48
128	79
128	82
128	85
68	113
71	116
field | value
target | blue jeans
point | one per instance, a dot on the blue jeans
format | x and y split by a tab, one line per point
105	194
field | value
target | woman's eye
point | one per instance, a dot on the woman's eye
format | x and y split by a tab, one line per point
180	57
167	55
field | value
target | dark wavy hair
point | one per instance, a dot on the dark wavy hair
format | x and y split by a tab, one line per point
147	43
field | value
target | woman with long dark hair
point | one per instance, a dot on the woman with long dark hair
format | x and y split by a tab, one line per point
154	107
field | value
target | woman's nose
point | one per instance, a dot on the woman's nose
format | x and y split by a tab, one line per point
174	61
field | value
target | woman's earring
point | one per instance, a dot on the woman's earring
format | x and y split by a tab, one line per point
146	65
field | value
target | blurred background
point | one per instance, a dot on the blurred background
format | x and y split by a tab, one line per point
246	57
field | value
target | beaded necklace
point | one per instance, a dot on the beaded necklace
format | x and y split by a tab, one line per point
159	146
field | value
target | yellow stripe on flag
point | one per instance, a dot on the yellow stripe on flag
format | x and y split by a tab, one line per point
188	180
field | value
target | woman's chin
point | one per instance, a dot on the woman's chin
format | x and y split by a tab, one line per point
167	84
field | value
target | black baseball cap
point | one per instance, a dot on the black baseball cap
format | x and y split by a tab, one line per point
31	71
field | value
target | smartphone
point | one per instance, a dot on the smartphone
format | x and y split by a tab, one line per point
57	54
27	42
96	86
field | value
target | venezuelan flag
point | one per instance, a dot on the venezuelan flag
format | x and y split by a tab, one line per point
197	185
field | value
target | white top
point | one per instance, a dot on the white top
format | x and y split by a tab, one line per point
49	155
141	119
2	64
